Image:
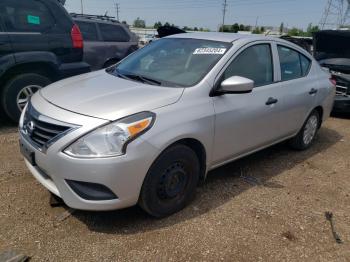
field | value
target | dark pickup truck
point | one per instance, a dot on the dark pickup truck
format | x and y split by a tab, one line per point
39	44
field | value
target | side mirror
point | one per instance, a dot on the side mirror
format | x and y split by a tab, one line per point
236	85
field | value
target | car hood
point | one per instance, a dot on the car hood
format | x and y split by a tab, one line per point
102	95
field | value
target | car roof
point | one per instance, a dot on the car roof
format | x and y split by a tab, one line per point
231	37
223	37
95	20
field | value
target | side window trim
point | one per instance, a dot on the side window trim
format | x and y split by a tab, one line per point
299	55
237	53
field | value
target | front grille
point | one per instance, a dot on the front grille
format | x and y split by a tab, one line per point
41	130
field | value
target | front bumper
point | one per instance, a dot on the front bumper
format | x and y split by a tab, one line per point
342	104
122	175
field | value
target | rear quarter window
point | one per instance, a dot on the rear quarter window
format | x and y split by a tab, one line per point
113	33
305	64
293	63
88	30
26	16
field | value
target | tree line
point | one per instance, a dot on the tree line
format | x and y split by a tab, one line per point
311	29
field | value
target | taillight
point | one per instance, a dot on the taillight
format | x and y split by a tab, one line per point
333	81
77	37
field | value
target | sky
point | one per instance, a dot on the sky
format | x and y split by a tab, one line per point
208	13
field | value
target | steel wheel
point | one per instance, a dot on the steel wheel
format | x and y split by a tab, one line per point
173	182
310	129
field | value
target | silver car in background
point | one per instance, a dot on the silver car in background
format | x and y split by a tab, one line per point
149	129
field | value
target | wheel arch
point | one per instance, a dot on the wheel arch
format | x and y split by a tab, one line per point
198	148
320	111
43	68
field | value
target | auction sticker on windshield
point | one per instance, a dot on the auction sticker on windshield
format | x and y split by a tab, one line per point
209	51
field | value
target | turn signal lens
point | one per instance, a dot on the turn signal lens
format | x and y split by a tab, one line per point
138	127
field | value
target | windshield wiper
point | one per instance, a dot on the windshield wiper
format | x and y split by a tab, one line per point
143	79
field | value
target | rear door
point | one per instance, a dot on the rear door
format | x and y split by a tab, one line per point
6	57
5	43
26	23
299	85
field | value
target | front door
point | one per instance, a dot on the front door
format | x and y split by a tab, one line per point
245	122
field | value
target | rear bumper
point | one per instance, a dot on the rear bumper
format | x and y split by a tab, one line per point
342	104
73	69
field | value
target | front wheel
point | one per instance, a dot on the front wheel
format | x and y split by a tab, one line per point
306	136
171	182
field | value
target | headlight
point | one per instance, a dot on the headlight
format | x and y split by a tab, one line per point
111	139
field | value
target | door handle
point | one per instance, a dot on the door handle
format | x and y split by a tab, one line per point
313	91
271	101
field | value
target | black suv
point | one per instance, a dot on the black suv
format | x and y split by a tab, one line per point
39	44
106	41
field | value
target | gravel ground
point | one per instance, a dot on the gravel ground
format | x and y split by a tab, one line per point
279	216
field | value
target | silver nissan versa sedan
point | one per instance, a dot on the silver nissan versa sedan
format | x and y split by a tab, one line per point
148	129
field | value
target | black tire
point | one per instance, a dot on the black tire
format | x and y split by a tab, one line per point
12	89
171	182
298	142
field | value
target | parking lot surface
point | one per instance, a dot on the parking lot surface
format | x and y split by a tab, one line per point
269	206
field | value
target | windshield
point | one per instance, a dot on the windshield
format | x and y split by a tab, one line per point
172	62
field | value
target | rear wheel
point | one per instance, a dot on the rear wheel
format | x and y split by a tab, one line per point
171	182
306	136
18	91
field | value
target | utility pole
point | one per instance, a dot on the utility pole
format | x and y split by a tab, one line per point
82	7
256	22
346	19
117	9
224	14
333	16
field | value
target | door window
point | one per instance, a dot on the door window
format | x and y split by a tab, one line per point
254	63
88	30
293	64
26	16
113	33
